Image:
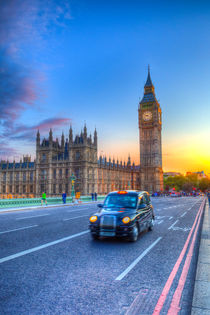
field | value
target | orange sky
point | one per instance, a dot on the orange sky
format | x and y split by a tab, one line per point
181	153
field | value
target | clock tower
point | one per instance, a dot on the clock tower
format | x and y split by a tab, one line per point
150	126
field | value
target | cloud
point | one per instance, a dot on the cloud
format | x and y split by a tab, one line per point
24	132
24	26
17	90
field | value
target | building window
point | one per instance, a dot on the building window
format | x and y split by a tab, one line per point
43	174
77	157
67	188
31	188
11	177
4	189
17	177
43	157
54	174
42	188
4	177
60	188
24	176
31	176
10	188
77	173
24	189
67	173
17	189
60	173
54	188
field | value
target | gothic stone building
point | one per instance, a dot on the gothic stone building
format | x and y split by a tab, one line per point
57	160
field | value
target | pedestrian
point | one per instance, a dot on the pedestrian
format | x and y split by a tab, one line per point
64	197
208	195
44	198
92	196
95	196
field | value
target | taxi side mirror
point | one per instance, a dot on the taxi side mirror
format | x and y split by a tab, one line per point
100	205
142	206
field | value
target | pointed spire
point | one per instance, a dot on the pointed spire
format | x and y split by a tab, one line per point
95	137
70	135
38	138
149	81
38	135
62	140
85	130
50	135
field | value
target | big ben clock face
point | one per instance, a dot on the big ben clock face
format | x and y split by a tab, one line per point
147	116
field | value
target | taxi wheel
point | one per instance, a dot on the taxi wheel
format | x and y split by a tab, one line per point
150	228
135	234
95	237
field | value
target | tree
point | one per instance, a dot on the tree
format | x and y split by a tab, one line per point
187	187
204	184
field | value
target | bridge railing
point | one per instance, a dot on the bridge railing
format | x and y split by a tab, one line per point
24	202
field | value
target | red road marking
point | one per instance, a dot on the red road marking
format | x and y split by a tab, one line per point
169	282
174	307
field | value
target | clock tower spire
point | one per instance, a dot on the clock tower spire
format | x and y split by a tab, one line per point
150	129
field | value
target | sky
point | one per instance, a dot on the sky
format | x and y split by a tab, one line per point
73	62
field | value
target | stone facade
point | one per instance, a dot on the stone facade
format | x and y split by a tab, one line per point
57	160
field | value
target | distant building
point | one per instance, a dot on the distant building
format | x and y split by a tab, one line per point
56	161
172	174
200	174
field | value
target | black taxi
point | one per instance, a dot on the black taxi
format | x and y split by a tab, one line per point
123	214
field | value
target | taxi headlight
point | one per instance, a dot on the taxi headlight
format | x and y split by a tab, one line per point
126	220
93	218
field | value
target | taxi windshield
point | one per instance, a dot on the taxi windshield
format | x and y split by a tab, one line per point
120	201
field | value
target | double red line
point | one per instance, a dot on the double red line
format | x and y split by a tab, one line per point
175	303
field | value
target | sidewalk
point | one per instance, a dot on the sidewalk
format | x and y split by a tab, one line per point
201	296
3	210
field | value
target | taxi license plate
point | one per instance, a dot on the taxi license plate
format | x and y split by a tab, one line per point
107	233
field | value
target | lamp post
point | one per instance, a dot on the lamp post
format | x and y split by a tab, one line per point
72	179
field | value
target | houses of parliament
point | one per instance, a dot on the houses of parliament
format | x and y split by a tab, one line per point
56	161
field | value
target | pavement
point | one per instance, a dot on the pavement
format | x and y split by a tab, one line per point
201	295
2	210
75	275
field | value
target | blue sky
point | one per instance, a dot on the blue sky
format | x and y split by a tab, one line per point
75	61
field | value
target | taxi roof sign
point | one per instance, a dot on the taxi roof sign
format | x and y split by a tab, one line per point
122	192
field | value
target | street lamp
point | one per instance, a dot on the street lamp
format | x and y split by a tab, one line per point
72	179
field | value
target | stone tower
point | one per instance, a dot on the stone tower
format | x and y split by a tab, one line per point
150	126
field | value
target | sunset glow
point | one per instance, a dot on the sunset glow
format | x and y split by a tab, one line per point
67	62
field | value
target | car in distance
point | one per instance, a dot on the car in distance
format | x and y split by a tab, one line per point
123	214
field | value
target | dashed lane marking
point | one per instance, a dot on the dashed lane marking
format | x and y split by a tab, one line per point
81	216
35	249
80	210
34	216
183	214
173	225
23	228
135	262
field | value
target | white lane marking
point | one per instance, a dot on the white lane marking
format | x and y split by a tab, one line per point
35	249
23	228
135	262
80	210
33	216
185	229
160	222
81	216
170	218
173	225
183	214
